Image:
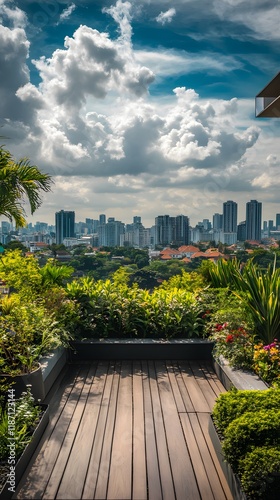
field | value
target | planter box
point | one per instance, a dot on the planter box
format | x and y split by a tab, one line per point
51	365
241	379
232	479
188	349
24	459
34	379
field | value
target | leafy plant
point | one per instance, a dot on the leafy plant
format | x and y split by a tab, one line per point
26	415
234	403
251	430
260	473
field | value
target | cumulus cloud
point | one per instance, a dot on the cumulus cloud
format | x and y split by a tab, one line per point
92	123
15	15
166	17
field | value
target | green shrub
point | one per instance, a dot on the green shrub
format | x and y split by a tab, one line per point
234	403
260	473
253	429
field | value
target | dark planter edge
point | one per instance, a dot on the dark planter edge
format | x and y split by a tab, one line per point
232	480
27	454
130	349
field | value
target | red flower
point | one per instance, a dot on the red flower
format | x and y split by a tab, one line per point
229	338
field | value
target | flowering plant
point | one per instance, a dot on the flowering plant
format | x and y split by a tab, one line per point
267	362
234	343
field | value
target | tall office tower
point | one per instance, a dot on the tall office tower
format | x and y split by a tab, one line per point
102	219
65	225
270	225
218	222
162	230
230	217
253	220
182	229
277	223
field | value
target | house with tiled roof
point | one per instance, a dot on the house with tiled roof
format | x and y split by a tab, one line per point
170	253
188	250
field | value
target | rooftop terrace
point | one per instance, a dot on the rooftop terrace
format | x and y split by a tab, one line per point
129	430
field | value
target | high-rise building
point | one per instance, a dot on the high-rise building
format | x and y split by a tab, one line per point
182	230
253	220
102	219
277	223
241	231
218	222
230	217
65	225
162	230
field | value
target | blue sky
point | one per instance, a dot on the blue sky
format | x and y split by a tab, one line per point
142	107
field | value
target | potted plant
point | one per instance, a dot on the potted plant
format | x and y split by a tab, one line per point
26	333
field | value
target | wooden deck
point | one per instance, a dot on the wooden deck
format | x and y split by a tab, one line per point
129	430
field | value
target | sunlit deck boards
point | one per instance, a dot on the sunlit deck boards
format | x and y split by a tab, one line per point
129	430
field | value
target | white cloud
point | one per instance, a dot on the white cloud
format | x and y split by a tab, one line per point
93	124
13	13
166	17
66	13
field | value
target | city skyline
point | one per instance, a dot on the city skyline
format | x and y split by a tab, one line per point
224	209
136	106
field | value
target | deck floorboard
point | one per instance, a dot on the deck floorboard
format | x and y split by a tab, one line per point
129	430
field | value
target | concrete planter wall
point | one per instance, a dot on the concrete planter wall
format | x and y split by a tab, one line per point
241	379
51	365
188	349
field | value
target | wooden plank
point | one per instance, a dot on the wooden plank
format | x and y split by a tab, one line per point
183	389
203	419
204	385
94	460
139	472
212	377
183	474
197	462
197	397
154	484
34	483
104	465
74	474
120	476
161	442
66	440
175	387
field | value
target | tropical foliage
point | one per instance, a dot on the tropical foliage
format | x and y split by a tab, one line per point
258	290
114	309
20	181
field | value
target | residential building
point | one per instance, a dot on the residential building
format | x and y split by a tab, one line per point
253	220
65	225
229	234
241	231
267	102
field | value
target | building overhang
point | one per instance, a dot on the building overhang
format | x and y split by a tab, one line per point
267	102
